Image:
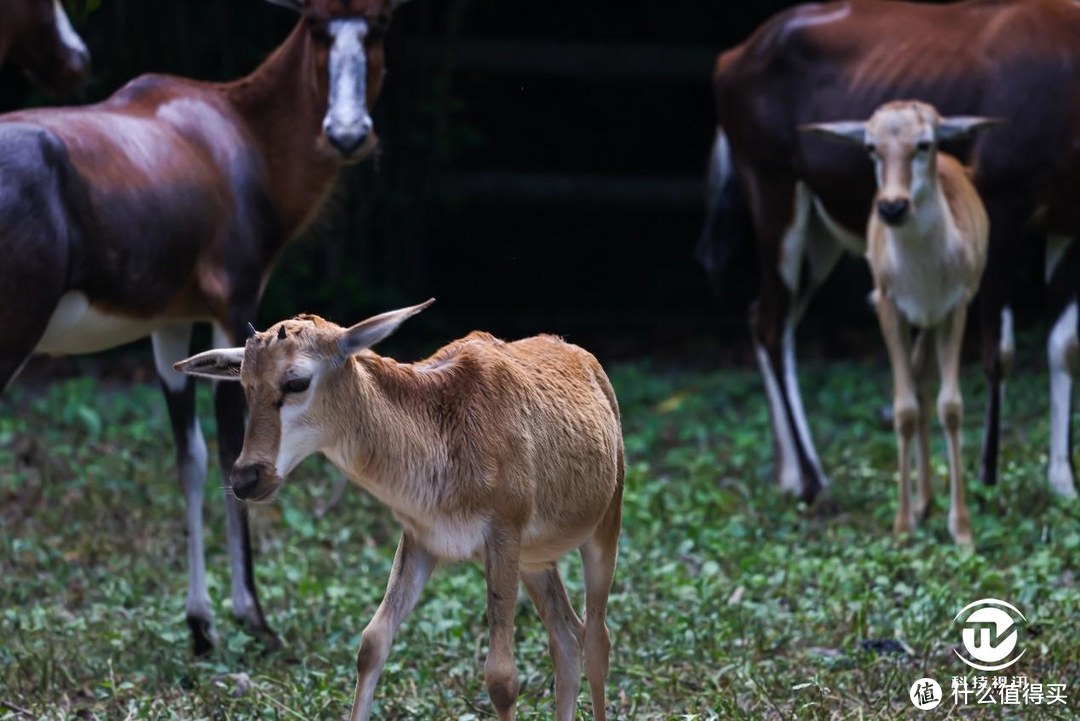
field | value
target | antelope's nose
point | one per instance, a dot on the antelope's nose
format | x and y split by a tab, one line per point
246	479
893	211
347	145
347	137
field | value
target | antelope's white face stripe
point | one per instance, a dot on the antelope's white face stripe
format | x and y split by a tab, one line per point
347	118
67	33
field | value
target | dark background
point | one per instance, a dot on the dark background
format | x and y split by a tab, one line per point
541	169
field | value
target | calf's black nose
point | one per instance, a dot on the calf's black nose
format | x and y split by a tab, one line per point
893	211
245	479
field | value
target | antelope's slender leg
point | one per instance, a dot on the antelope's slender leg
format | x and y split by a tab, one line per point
905	405
921	370
1062	349
951	413
598	557
412	568
170	345
229	409
565	636
501	557
1008	212
784	235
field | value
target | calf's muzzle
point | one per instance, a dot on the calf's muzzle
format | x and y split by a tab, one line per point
253	482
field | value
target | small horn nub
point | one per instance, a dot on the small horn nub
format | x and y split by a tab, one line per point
281	333
251	330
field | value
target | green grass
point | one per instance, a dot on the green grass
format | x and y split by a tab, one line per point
730	600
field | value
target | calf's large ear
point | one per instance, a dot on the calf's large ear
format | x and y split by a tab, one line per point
367	333
853	131
959	126
222	364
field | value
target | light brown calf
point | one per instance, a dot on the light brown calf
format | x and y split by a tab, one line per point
927	240
506	453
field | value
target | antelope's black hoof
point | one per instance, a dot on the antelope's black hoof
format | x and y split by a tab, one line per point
203	637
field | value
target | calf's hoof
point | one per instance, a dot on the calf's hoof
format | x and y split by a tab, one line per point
903	524
960	530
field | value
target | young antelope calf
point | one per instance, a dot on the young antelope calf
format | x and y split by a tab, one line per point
927	240
509	453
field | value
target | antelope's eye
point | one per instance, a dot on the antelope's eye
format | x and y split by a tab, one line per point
871	148
922	146
295	385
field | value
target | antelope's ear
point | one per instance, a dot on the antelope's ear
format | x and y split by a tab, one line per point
853	131
367	333
959	126
297	5
222	364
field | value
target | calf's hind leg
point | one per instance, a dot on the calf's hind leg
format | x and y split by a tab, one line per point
598	557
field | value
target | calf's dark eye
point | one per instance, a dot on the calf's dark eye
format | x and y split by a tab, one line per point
922	146
295	385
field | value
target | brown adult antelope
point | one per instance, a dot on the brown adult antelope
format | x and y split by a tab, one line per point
926	243
505	453
168	204
806	199
37	36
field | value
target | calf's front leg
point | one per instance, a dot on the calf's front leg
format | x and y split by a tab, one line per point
501	558
412	568
950	413
924	345
905	404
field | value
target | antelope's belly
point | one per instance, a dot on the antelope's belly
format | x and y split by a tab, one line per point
454	539
76	327
451	539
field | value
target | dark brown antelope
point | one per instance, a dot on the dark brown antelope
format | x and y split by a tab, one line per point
806	199
926	243
37	36
167	205
506	453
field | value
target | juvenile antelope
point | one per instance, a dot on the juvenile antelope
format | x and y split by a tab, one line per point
926	243
800	202
506	453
